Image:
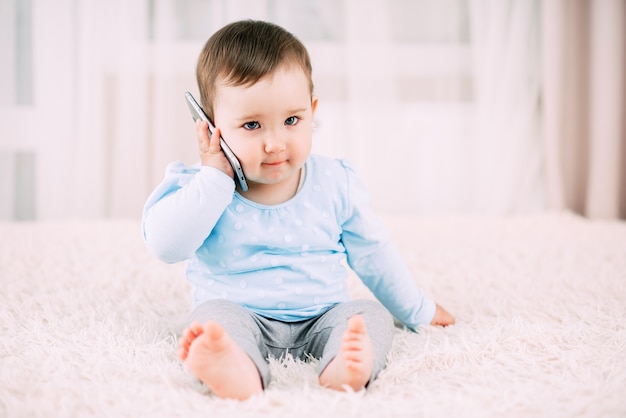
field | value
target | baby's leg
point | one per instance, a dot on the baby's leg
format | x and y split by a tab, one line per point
214	358
357	336
222	333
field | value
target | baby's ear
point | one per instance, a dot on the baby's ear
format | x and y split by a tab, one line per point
313	104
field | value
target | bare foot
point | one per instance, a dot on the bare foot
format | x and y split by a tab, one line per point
354	363
214	358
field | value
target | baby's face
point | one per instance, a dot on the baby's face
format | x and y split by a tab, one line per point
268	125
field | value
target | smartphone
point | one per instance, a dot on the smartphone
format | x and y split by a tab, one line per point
198	113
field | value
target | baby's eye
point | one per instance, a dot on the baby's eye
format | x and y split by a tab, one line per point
292	120
251	126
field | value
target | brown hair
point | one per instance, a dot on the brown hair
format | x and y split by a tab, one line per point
244	52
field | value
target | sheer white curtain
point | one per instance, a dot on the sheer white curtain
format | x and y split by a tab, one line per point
435	101
506	170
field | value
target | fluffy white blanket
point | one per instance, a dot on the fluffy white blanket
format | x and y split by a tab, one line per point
89	324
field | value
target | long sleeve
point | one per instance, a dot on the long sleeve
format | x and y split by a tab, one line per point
375	259
181	212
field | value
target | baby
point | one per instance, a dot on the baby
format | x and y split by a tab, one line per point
267	264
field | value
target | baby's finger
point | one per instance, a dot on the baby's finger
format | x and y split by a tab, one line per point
214	146
202	133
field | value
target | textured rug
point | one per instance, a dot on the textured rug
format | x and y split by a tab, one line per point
89	323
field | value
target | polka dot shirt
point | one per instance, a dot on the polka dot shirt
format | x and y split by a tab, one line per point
284	261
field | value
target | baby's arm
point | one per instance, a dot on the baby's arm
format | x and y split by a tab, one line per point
378	263
182	211
385	273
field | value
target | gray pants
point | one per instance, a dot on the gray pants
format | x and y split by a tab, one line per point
319	337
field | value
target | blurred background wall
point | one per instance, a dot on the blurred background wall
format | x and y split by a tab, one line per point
482	107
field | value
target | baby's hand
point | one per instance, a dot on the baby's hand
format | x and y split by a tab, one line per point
210	150
442	317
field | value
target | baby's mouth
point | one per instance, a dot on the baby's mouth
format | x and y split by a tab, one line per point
275	163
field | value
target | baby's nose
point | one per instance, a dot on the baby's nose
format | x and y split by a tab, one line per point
276	142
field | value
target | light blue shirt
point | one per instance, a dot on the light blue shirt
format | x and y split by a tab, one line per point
282	261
